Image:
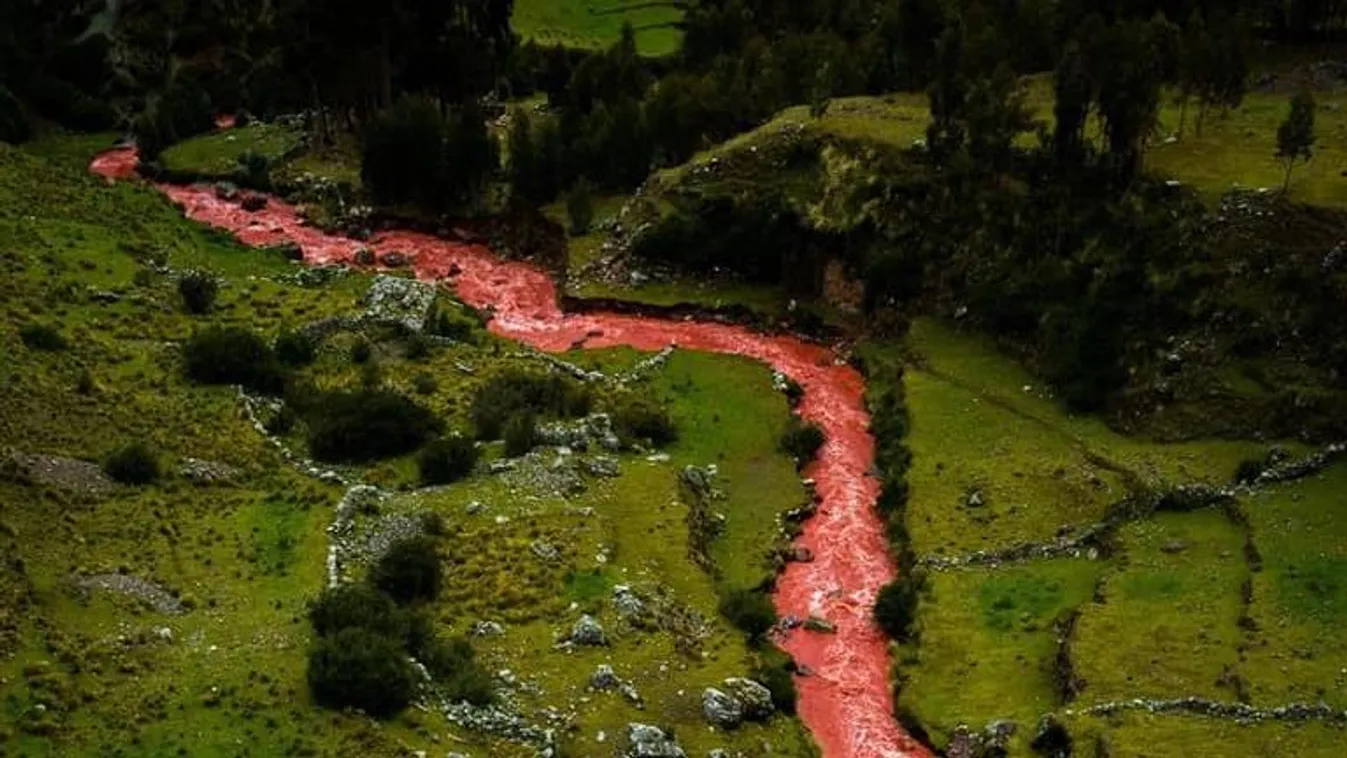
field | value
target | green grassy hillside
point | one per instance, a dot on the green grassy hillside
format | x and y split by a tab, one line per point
208	659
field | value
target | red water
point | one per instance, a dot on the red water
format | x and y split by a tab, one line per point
846	702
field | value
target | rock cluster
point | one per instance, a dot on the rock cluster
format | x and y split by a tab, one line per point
580	434
645	741
588	631
157	597
1241	712
398	300
741	700
206	472
55	471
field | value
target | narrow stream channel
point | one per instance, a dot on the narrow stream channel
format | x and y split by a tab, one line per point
846	699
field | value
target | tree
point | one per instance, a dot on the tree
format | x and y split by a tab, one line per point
356	606
526	181
410	571
1071	106
1295	135
948	90
360	668
470	155
1129	78
402	158
580	207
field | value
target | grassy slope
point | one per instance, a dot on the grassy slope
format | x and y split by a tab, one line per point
1166	623
249	556
595	24
218	152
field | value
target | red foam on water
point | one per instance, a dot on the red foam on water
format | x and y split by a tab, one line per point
847	701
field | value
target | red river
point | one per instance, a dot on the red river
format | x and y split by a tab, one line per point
846	701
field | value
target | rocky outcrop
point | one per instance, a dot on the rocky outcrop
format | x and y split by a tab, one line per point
588	631
155	596
741	700
645	741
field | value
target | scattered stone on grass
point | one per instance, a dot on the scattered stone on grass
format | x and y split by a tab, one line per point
588	631
157	597
645	741
207	472
55	471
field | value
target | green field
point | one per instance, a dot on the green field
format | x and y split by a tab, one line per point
88	672
595	24
1163	614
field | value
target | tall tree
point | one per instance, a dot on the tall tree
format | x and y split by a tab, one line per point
1073	92
1295	135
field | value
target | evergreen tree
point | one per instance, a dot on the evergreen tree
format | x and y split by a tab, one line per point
1295	135
1071	106
470	155
525	171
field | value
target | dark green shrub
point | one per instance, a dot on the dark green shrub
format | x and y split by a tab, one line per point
410	571
580	207
254	170
283	422
134	464
521	434
356	606
42	337
416	347
198	290
232	355
1249	470
402	161
294	349
802	440
775	672
453	665
896	608
457	327
424	384
644	420
446	460
361	352
13	124
359	668
752	612
512	392
366	425
84	383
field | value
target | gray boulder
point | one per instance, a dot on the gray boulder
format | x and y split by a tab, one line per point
720	709
645	741
754	698
604	678
588	631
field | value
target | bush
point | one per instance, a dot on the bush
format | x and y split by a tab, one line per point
1249	470
511	392
424	384
254	170
232	355
13	124
356	606
361	352
580	208
366	425
776	674
802	440
198	290
446	460
402	161
750	611
294	349
416	347
454	666
410	571
521	434
42	337
134	464
896	608
457	328
359	668
641	419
